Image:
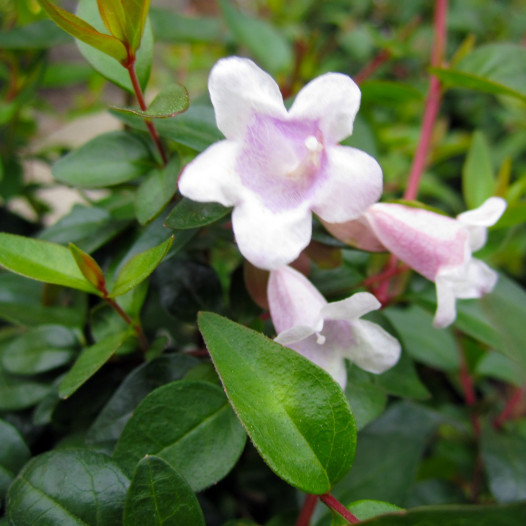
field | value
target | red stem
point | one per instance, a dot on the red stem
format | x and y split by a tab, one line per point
339	508
130	66
309	504
432	102
508	410
382	292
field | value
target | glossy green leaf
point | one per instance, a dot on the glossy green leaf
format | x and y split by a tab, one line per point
190	425
106	66
108	426
493	68
478	178
170	102
505	463
156	191
14	453
38	35
277	392
85	32
39	350
90	360
43	261
68	487
108	159
139	267
264	41
190	214
158	495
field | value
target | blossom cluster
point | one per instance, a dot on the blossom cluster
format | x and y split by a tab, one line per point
276	167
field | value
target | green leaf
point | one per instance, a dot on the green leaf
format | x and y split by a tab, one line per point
68	487
135	19
89	362
43	261
88	10
505	463
85	32
158	495
108	426
89	267
39	350
190	425
478	178
276	392
170	102
156	191
262	39
493	68
14	453
38	35
108	159
139	267
190	214
495	365
113	15
363	510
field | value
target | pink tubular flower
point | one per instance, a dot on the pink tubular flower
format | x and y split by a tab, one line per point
436	246
327	333
276	167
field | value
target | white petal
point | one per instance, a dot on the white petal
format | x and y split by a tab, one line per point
212	176
351	308
373	349
294	301
353	184
479	280
296	334
333	100
238	89
356	233
446	303
269	239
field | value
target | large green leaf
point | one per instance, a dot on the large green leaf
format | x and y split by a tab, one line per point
108	159
14	453
190	214
158	495
190	425
294	412
69	487
43	261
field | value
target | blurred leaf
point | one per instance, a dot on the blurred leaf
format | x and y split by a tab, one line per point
14	453
495	365
42	261
19	393
505	463
478	178
190	425
493	68
90	360
38	35
68	487
139	267
171	101
277	392
159	495
156	191
515	214
190	214
264	41
363	510
39	350
108	159
110	422
82	30
88	10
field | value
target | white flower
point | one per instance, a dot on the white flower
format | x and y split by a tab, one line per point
276	167
327	333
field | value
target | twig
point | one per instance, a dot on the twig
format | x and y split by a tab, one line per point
509	408
309	504
339	508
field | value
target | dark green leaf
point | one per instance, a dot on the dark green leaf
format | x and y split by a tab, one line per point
17	393
277	392
69	487
496	365
190	214
38	35
191	426
158	495
108	159
14	453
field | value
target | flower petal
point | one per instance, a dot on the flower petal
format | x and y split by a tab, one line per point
333	100
238	89
479	279
446	304
351	308
373	349
356	233
269	239
212	176
294	301
295	334
353	184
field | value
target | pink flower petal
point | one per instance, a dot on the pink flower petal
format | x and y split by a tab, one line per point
353	184
333	100
238	90
351	308
356	233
